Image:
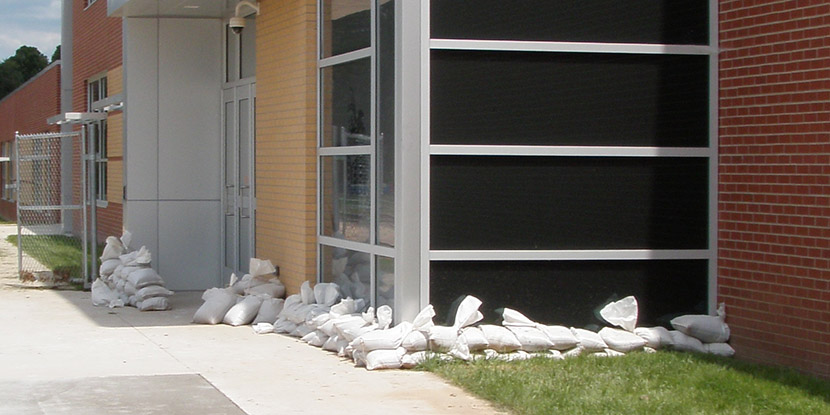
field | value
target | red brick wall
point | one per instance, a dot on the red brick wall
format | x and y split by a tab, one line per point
26	110
774	184
96	49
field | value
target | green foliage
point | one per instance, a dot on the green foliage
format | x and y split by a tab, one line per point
61	254
639	383
14	71
56	55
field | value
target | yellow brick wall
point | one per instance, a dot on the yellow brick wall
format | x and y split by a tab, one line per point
115	136
286	147
115	80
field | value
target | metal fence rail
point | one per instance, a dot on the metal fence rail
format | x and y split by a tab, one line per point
51	218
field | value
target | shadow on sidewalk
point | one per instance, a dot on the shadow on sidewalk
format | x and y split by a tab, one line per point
183	305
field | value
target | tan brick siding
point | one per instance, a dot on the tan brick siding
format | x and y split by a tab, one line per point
286	148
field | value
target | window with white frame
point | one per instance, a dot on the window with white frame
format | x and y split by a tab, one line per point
356	148
97	134
572	156
8	191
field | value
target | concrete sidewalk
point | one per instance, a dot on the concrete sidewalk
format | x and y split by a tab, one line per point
61	355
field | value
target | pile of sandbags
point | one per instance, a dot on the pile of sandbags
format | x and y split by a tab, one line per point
324	317
126	278
255	299
351	273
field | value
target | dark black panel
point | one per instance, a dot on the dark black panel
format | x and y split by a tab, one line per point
618	21
525	98
481	202
568	292
345	28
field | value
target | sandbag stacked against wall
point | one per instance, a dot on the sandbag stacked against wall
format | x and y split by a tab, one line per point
256	299
126	278
702	333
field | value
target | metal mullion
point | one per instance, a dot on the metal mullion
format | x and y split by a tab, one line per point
345	57
425	156
345	151
713	159
568	255
569	47
373	143
319	136
356	246
568	151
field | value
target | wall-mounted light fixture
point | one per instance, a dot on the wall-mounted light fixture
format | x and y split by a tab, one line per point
237	22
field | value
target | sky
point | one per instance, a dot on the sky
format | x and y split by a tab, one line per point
29	22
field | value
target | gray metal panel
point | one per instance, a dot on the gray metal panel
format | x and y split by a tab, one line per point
188	254
190	72
141	138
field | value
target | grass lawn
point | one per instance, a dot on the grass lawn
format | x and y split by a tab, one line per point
61	254
639	383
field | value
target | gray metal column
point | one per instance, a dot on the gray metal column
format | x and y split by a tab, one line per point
66	106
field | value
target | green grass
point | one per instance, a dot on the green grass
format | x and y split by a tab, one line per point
61	254
7	222
639	383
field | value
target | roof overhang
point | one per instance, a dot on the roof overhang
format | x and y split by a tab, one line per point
171	8
77	118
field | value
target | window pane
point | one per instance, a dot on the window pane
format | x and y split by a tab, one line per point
346	26
348	269
568	292
385	284
231	55
346	111
345	197
247	56
569	99
568	203
386	127
619	21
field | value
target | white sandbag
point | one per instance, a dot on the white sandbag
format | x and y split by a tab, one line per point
686	343
350	334
348	324
243	312
151	291
369	315
108	267
588	340
410	360
217	303
514	318
273	288
263	328
154	304
316	338
384	316
326	294
613	353
384	359
103	295
467	313
307	293
347	306
531	338
719	349
334	344
621	340
622	313
707	329
576	351
301	331
561	337
131	301
143	277
382	339
259	267
143	258
318	316
442	338
423	320
113	249
291	303
460	350
655	337
127	270
129	288
500	338
126	240
513	356
550	354
269	310
415	341
283	325
120	284
474	338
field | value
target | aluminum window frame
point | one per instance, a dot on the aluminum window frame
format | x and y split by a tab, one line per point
427	255
100	136
371	248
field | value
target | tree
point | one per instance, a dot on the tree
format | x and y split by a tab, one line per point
56	55
14	71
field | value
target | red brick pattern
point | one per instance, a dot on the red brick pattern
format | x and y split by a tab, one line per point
26	110
774	184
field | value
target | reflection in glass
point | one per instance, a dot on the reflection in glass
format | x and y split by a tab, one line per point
350	270
346	111
385	282
346	26
345	197
386	126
